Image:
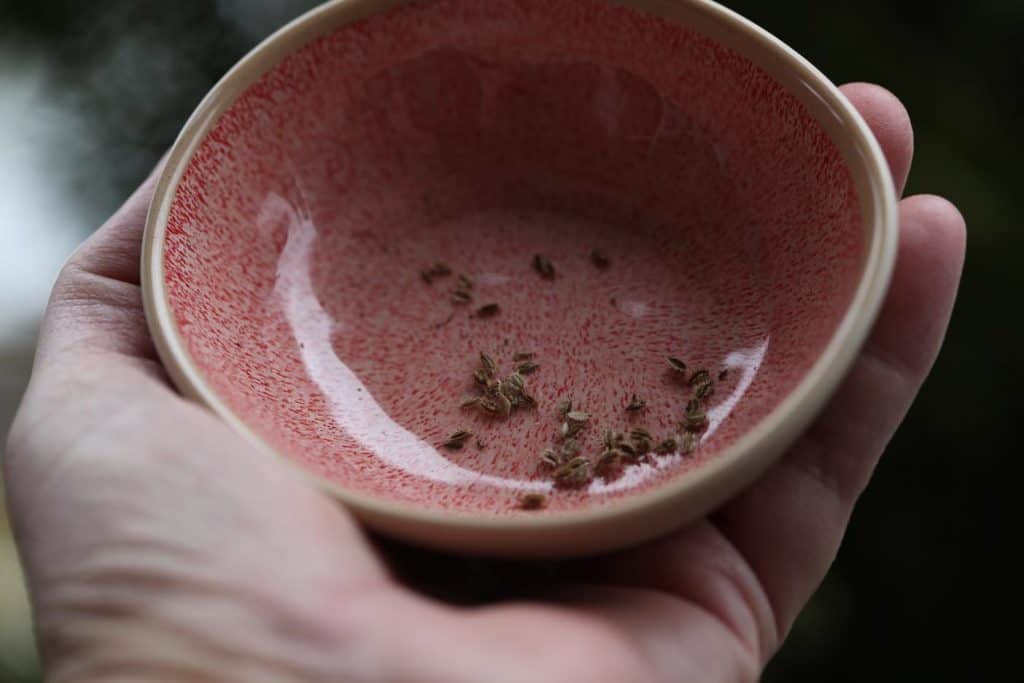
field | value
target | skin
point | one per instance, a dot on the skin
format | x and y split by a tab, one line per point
157	546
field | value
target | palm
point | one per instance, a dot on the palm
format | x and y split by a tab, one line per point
141	514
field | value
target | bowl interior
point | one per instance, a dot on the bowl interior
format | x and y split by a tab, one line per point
480	135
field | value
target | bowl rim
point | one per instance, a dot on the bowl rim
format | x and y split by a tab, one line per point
710	484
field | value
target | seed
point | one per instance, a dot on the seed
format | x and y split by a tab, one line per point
699	377
565	406
465	282
668	445
577	416
570	449
723	374
627	450
689	443
504	405
469	401
461	297
544	267
439	269
613	439
516	381
480	444
677	365
456	439
533	501
481	377
487	364
573	473
526	399
527	367
550	458
704	391
643	446
640	433
695	418
523	355
570	429
487	310
636	404
599	258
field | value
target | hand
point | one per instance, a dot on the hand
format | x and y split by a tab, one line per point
159	546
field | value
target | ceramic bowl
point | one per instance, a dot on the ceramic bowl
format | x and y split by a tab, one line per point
742	213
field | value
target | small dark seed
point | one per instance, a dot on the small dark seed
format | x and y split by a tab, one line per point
527	367
636	404
487	310
544	267
533	501
457	439
699	377
676	364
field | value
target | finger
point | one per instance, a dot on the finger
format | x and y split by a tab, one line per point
96	304
890	123
788	525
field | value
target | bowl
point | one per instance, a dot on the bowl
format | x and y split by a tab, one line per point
398	240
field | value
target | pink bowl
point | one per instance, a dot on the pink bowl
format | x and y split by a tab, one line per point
746	212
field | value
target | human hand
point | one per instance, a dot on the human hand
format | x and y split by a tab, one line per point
159	545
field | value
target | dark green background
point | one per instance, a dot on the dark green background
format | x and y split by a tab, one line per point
931	564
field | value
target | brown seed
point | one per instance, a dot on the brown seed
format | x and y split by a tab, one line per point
533	501
676	364
527	368
469	401
480	444
576	472
570	429
577	416
699	377
636	404
627	450
487	364
544	267
723	374
523	355
461	297
613	439
704	391
667	446
487	311
599	258
437	270
504	405
464	282
456	439
550	458
639	433
570	449
565	406
695	419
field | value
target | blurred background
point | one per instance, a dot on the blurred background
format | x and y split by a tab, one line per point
92	93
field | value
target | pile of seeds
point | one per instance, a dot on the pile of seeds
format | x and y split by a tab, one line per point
499	397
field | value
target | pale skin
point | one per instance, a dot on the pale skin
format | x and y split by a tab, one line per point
159	546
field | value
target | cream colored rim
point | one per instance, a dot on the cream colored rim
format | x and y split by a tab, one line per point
630	519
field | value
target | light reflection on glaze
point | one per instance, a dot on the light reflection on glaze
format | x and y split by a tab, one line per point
352	406
360	416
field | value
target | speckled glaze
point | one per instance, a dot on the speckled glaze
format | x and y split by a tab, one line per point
292	231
